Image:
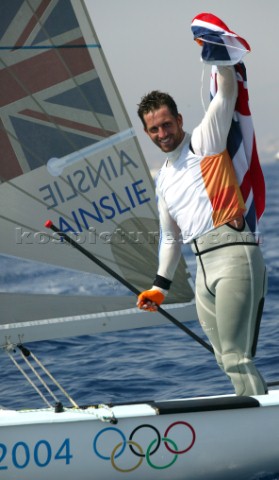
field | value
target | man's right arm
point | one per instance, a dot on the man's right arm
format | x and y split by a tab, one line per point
169	256
170	247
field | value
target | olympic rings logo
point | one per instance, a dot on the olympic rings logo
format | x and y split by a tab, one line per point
138	450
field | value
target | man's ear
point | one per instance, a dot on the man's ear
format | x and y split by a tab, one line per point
180	120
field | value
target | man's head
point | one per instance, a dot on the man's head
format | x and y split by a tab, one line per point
161	120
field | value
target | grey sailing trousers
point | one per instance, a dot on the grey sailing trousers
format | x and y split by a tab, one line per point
230	288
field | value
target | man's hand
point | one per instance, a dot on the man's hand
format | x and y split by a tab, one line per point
150	300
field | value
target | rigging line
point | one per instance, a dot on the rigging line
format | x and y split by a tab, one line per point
47	372
28	379
54	380
93	258
36	373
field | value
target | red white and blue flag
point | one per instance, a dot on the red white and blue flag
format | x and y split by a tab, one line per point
221	46
52	101
214	34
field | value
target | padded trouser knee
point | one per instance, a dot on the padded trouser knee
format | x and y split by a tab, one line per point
243	374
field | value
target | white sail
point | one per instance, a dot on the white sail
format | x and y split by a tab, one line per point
69	152
29	318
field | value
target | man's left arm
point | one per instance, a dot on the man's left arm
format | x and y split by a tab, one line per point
210	137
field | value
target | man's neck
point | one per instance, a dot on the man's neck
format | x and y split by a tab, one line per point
174	155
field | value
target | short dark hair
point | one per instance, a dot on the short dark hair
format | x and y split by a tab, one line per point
153	101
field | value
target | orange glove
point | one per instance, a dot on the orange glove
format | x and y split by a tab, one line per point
150	300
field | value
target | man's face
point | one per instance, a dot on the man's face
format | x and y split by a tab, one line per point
164	129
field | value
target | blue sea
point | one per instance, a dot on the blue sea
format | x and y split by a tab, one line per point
144	364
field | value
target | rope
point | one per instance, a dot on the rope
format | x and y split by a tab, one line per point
28	379
202	82
38	376
25	353
241	49
59	386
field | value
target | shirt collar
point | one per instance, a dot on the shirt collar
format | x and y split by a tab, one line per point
173	156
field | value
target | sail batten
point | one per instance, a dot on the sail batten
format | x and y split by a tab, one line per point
33	317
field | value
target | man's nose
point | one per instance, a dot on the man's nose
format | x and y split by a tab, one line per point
162	132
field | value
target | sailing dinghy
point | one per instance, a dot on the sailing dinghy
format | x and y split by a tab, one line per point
70	154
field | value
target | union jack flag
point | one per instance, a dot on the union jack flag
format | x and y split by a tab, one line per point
221	46
52	101
214	35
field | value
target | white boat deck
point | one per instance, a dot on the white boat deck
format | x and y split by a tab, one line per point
107	413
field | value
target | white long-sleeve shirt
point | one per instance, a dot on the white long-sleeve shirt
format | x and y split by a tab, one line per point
198	191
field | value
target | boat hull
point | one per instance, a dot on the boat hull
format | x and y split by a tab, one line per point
212	438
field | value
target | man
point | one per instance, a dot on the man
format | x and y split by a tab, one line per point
199	200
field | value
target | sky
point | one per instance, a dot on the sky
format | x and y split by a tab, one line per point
149	45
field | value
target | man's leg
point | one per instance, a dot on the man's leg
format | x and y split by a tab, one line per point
230	289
